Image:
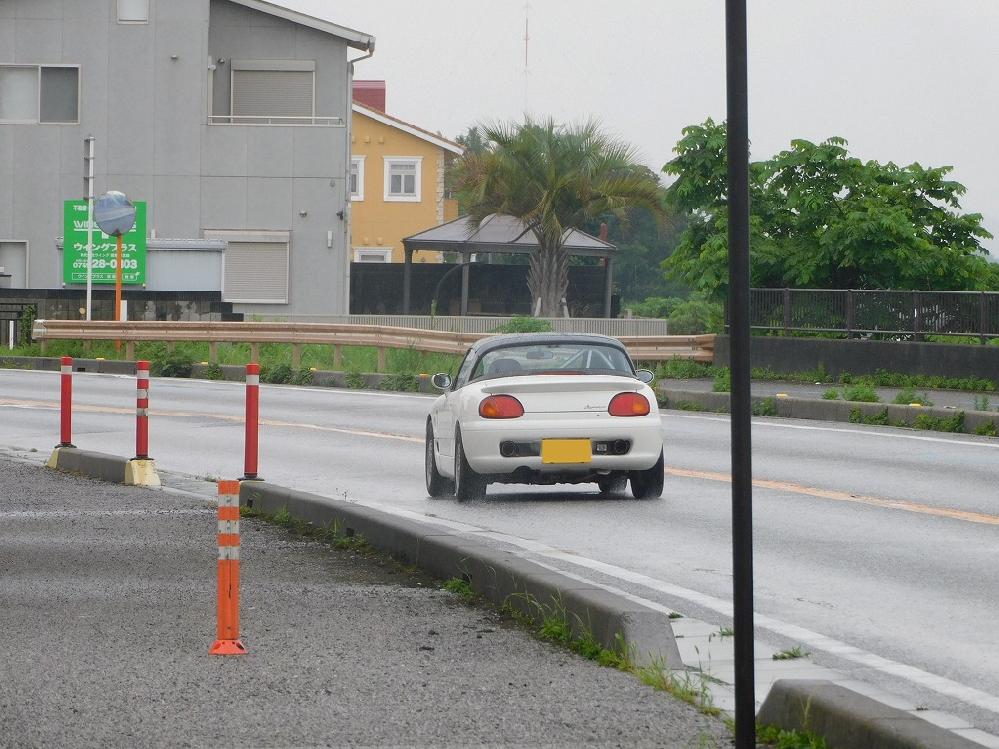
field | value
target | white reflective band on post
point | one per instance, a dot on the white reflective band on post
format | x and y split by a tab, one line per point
230	527
228	500
253	379
141	393
66	368
228	552
142	412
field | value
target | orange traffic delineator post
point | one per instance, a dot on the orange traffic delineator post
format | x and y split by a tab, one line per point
227	640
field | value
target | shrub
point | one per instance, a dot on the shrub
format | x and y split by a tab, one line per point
860	392
280	374
399	381
355	380
988	429
908	396
879	419
765	407
302	376
723	381
683	369
953	423
524	324
213	372
174	365
831	394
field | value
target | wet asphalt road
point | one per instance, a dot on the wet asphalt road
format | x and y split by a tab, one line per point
107	612
906	572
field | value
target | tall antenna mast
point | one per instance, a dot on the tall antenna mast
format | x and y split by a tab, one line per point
527	39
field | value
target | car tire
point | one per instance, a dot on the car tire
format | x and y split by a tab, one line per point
648	484
437	485
613	484
467	483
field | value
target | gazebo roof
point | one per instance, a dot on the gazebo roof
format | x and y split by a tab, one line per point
497	233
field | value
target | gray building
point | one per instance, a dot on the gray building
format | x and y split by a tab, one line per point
230	118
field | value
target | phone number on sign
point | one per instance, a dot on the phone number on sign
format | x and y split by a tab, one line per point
101	263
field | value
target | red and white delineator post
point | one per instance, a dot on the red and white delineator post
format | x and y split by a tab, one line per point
227	640
66	402
141	470
252	422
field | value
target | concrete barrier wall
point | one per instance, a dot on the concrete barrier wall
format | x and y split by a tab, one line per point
864	357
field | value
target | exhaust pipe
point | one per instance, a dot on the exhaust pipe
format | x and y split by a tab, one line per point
621	447
509	449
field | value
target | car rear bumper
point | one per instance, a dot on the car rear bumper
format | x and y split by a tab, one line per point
481	442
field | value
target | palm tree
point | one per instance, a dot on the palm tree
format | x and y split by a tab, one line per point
553	177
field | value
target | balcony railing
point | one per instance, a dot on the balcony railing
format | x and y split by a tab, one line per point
268	120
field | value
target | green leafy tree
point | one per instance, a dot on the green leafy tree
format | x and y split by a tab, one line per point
553	177
820	218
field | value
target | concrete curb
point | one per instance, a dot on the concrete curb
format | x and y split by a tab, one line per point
849	720
823	410
498	576
111	468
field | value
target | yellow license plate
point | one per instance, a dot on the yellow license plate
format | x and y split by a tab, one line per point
566	451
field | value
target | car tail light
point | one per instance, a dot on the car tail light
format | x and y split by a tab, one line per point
500	407
628	404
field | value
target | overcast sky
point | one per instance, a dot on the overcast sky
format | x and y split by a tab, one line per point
901	80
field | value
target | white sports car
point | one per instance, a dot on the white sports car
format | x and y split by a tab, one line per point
545	408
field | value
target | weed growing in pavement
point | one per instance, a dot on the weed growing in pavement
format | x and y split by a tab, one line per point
790	654
726	632
860	392
684	369
882	378
765	407
675	615
282	517
399	381
908	396
213	372
982	403
355	380
687	686
988	429
302	376
460	587
879	419
723	381
782	738
953	423
831	394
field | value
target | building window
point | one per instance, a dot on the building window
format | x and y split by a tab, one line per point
40	93
356	180
372	254
402	179
133	11
273	91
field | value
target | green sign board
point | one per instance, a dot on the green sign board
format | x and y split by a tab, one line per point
105	253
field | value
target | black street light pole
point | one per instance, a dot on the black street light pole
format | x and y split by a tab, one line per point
738	296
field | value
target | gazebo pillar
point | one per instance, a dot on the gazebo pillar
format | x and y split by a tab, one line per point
608	284
407	277
465	267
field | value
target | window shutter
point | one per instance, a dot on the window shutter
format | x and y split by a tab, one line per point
256	272
272	93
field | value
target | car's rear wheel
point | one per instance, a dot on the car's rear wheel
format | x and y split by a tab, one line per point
467	483
437	485
612	484
649	484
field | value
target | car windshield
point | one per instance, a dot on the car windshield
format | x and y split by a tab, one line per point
554	359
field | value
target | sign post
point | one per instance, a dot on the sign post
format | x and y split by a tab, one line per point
115	215
88	195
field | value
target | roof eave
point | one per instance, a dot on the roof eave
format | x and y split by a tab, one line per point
407	128
356	39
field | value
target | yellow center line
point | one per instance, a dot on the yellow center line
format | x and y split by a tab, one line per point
781	486
863	499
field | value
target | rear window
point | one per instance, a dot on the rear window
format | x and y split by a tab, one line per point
553	358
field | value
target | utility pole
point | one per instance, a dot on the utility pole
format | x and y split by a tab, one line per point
737	137
88	195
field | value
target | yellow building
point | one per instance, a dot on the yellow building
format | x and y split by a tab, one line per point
396	183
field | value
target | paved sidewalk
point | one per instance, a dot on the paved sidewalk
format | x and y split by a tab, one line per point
942	398
107	611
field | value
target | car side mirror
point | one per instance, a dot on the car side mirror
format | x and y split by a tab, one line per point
441	381
645	375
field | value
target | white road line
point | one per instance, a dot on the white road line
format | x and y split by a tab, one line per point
532	549
45	514
865	432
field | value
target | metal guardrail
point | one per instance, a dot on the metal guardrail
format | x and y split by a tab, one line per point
483	324
876	312
381	337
